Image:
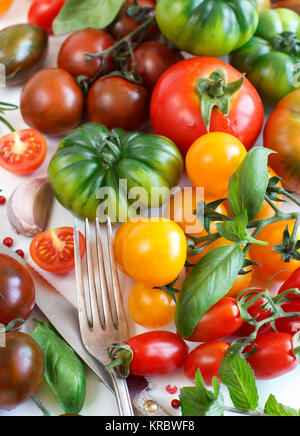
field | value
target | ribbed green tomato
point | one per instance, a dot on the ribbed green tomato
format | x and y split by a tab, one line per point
207	27
92	157
270	58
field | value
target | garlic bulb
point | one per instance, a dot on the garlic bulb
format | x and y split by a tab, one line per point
29	207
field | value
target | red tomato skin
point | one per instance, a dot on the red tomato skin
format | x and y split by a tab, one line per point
286	325
255	311
175	106
293	282
274	355
222	320
157	353
207	358
44	12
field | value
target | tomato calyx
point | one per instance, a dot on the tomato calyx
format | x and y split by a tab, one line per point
110	151
121	356
215	91
13	324
287	42
139	13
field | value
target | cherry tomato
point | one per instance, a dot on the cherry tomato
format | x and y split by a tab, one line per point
51	102
157	353
293	282
207	358
151	308
274	355
182	206
53	250
153	59
23	151
72	55
21	370
115	102
17	292
154	252
289	325
256	311
44	12
270	260
5	5
124	24
214	154
222	320
176	106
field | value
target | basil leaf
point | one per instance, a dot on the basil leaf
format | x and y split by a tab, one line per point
209	281
239	378
234	231
64	371
273	408
199	401
78	15
248	185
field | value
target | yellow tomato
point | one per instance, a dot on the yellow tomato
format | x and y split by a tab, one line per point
263	5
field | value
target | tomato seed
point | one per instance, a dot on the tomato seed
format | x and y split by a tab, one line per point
8	242
2	200
171	390
176	404
20	253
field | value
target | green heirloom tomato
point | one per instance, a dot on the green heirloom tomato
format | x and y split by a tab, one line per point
23	48
207	27
271	58
91	159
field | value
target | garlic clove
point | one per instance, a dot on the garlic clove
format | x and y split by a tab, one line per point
29	207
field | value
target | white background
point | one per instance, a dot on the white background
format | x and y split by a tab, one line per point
99	402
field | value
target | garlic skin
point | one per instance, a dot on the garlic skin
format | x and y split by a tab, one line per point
29	207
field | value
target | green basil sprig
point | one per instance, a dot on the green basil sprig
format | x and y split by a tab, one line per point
78	15
209	281
64	371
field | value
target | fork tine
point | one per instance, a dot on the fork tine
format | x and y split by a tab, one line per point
82	310
96	321
106	306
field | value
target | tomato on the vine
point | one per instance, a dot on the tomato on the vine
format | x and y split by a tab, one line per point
222	320
289	325
207	358
21	370
22	152
44	12
274	355
53	250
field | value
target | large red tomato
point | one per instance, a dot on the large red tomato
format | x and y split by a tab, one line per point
176	104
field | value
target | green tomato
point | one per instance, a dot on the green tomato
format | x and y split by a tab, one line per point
92	157
271	58
207	27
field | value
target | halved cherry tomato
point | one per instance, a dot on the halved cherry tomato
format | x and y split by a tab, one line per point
207	358
23	151
53	250
222	320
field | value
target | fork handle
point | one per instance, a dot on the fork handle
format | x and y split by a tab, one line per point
122	394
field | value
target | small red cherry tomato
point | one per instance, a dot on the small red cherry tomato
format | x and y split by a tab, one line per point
293	282
207	358
289	325
222	320
44	12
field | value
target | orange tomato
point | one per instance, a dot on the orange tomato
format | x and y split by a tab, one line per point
263	5
212	160
181	209
151	308
153	252
270	260
5	5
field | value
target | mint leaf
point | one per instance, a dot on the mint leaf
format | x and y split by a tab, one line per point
239	378
273	408
199	401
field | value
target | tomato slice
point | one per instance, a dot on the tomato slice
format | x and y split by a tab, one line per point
22	152
53	250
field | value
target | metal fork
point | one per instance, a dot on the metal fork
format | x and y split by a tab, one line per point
102	319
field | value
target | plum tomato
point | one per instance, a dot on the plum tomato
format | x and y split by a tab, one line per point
115	102
44	12
51	102
72	55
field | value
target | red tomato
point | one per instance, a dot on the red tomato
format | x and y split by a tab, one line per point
44	12
255	311
293	282
17	290
72	55
207	358
274	355
53	250
157	353
286	325
223	319
176	109
22	152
